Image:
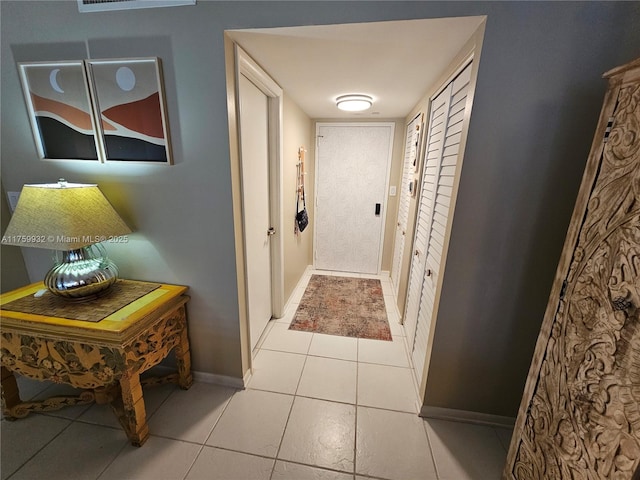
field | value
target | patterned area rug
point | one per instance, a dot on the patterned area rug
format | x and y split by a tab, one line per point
349	307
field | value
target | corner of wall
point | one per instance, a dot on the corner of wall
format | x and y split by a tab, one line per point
14	272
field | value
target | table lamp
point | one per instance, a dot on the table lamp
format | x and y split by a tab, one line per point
73	218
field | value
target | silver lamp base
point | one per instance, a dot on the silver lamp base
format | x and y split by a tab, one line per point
83	274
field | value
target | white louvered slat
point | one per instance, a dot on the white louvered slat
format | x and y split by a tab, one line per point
444	199
434	256
424	320
462	80
448	181
439	218
452	139
431	172
433	148
459	97
458	117
455	128
451	150
440	229
435	247
457	102
437	236
441	209
434	212
445	190
449	160
448	171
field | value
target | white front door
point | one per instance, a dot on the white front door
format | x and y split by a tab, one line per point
352	176
254	141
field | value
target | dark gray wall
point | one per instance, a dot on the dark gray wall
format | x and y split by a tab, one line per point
535	109
537	102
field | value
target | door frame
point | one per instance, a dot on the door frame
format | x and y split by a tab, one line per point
383	214
238	62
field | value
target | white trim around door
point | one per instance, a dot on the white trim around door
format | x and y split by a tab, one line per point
246	66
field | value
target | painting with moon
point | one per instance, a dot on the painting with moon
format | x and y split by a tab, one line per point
60	110
128	99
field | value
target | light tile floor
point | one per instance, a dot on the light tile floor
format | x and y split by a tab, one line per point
317	407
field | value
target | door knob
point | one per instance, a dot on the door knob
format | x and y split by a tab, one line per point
271	231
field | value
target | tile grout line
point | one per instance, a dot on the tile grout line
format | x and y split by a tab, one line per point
340	402
286	424
71	421
204	442
113	459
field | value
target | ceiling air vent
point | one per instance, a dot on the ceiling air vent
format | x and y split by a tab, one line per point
106	5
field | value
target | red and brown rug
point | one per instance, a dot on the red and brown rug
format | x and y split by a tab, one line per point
349	307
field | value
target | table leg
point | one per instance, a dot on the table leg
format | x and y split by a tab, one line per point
10	393
183	355
129	408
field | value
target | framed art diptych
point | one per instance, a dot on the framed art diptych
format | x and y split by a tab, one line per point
102	110
128	102
60	110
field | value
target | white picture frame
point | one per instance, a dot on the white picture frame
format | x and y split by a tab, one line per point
130	110
60	110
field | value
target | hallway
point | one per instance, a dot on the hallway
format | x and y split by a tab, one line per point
317	407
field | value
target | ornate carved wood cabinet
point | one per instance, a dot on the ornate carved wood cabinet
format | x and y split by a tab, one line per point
580	413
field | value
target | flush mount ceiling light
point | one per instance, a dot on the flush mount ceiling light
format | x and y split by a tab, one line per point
354	102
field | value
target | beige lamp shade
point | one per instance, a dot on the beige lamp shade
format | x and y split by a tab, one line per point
62	216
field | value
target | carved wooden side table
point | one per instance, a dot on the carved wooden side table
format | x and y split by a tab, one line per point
101	346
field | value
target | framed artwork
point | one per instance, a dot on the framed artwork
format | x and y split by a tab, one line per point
129	108
60	110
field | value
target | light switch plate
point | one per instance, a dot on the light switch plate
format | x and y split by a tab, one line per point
13	199
392	191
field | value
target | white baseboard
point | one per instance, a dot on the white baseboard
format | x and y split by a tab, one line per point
467	417
222	380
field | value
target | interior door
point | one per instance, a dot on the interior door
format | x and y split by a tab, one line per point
580	415
442	155
352	176
410	162
254	141
433	153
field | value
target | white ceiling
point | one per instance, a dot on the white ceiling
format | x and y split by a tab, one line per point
394	62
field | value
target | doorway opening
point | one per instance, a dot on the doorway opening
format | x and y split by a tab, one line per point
314	65
257	168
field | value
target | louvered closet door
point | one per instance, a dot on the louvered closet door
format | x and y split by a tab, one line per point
433	151
433	217
410	158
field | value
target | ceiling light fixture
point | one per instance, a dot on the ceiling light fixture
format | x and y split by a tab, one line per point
354	102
